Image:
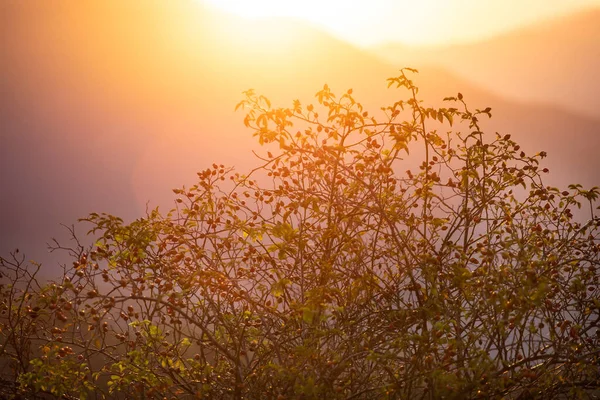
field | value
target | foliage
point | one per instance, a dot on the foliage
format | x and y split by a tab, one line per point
366	257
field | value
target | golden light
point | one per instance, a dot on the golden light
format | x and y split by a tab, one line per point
359	22
423	22
343	18
307	9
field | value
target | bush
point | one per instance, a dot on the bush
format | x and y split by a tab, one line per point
367	256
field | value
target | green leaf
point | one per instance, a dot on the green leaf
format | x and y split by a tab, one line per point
308	315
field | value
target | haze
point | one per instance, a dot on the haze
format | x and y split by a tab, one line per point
424	22
107	106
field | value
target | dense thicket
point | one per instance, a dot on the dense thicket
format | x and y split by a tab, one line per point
381	255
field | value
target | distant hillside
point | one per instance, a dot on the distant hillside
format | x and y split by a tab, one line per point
108	105
556	62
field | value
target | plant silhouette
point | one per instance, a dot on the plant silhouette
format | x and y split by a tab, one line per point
397	254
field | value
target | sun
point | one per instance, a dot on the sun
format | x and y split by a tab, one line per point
307	9
348	20
359	22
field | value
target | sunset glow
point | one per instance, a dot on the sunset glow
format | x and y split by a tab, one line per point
273	8
110	102
426	22
288	199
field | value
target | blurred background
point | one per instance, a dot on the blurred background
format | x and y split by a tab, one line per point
105	106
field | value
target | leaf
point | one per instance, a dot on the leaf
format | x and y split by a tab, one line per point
267	101
307	315
278	288
449	117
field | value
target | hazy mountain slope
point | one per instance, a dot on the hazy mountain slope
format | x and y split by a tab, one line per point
106	106
556	62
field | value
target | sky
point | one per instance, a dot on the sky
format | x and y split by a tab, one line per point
412	22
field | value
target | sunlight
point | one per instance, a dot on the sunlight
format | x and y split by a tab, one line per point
348	20
359	22
415	23
276	8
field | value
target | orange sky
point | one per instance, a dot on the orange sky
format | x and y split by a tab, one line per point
428	22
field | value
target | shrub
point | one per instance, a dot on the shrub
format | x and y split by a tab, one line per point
367	256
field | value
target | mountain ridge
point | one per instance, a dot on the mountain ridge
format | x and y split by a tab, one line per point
554	62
